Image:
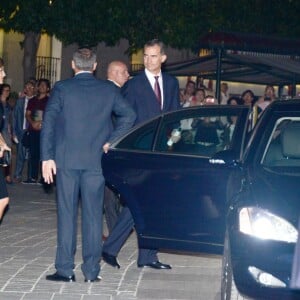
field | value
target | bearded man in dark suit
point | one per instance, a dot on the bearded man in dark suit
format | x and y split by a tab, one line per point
76	130
150	93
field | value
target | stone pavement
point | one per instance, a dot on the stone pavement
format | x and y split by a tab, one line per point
27	251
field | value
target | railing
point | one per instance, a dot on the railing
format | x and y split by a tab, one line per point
47	67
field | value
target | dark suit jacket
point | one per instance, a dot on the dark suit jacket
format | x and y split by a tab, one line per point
114	85
77	121
118	89
139	93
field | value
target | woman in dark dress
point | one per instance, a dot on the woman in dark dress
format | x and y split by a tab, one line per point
3	191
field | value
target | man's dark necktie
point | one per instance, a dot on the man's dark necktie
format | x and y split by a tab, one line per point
157	90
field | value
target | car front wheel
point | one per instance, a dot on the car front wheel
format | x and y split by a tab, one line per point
228	288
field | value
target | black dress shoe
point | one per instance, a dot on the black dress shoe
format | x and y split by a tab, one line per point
156	265
57	277
97	279
111	260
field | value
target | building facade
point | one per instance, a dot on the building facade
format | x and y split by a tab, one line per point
53	60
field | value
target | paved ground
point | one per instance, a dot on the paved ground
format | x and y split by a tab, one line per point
27	250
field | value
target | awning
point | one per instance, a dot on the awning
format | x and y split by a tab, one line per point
245	67
247	58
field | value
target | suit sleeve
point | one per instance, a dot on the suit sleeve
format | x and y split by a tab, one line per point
52	111
129	94
125	117
176	99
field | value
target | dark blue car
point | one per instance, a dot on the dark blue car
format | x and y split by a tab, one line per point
263	208
186	174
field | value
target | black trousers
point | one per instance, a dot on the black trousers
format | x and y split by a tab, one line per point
112	208
34	154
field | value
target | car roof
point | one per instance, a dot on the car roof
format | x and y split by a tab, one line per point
283	105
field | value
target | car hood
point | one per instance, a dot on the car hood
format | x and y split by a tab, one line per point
277	192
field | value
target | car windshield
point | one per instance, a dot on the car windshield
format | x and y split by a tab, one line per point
283	147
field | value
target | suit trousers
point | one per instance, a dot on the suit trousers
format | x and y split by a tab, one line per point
112	208
90	185
119	235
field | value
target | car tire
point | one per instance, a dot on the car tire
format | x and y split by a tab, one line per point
228	287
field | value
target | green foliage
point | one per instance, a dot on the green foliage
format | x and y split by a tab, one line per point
267	17
84	22
25	15
179	23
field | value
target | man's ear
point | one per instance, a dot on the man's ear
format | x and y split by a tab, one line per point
94	66
163	58
73	64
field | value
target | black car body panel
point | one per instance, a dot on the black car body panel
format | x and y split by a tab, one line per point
176	196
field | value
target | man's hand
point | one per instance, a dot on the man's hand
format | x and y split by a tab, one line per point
48	169
106	147
37	125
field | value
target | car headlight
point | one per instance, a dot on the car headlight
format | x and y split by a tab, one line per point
265	225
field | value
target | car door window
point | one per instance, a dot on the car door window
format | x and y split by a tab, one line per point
201	133
140	139
283	146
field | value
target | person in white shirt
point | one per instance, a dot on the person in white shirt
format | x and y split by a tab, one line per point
188	93
224	93
2	72
20	128
266	99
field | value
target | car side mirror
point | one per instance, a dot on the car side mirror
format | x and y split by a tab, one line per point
225	157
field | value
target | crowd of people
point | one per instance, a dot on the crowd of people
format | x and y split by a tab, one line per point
21	126
192	95
60	137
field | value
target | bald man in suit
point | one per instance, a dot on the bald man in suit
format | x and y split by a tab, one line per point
117	75
150	93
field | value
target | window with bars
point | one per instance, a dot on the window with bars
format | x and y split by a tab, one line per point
47	67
